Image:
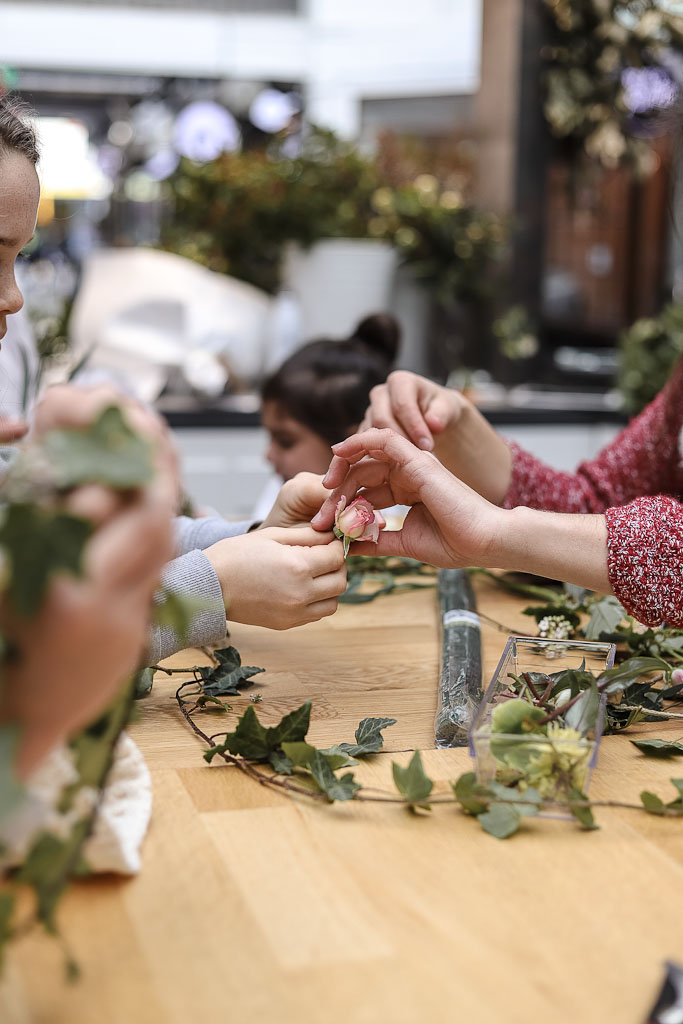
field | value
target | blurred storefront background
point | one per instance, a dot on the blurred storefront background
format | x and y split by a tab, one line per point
224	180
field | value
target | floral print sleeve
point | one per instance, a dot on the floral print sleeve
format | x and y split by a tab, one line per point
645	558
643	460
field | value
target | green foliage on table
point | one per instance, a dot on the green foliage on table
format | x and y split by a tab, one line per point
412	783
226	678
649	350
369	739
659	748
236	214
590	44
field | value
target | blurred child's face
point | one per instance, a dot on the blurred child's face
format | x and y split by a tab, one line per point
19	194
293	448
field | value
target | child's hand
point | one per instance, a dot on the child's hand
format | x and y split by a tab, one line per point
299	499
279	578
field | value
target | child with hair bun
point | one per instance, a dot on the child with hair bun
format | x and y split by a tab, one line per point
319	395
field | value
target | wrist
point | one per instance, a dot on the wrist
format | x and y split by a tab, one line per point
472	450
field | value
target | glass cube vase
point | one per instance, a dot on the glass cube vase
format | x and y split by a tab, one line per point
552	763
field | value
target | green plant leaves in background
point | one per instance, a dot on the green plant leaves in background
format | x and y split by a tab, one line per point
228	676
412	783
659	748
369	739
108	452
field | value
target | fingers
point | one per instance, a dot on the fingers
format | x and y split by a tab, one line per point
302	536
321	609
390	542
408	395
366	473
95	503
439	410
326	559
332	584
12	430
132	548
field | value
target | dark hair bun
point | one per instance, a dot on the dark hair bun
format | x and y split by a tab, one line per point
380	332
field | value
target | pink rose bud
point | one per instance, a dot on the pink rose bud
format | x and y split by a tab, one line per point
677	676
359	521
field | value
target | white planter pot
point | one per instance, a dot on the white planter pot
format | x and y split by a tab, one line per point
338	281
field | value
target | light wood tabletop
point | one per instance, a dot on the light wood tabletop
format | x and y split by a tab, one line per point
254	906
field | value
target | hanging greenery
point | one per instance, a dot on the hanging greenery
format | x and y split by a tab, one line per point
610	66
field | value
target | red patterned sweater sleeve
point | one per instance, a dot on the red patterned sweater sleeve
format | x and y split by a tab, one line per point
643	460
645	558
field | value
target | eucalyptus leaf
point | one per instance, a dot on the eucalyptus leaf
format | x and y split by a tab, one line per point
527	802
500	820
412	782
143	682
629	671
583	715
659	748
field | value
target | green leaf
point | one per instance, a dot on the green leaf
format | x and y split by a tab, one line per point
301	755
335	789
280	763
412	783
578	805
473	797
629	671
337	757
11	788
369	739
256	742
500	820
204	698
143	682
583	715
652	803
6	914
528	802
39	543
605	616
226	678
108	452
659	748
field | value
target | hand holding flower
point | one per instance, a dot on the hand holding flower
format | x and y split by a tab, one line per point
357	521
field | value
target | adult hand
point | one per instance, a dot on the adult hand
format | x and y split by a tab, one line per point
298	499
449	524
442	420
12	430
279	577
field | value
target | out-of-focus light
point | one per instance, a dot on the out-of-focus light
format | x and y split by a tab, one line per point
204	130
647	89
120	133
162	164
68	167
273	110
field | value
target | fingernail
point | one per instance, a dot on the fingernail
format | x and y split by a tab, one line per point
425	443
337	445
326	478
317	519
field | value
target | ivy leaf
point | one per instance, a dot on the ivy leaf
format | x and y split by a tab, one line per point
412	783
39	543
369	739
528	802
301	755
280	763
11	789
204	698
338	758
677	804
254	741
652	803
473	797
659	748
143	682
176	611
107	452
335	789
605	616
226	678
578	805
500	820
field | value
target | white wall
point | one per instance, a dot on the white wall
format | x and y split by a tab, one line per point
340	51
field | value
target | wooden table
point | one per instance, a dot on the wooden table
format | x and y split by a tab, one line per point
255	907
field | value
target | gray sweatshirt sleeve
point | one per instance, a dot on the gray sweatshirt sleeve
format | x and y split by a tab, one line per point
191	534
192	576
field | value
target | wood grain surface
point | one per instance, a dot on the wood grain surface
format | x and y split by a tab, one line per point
255	907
